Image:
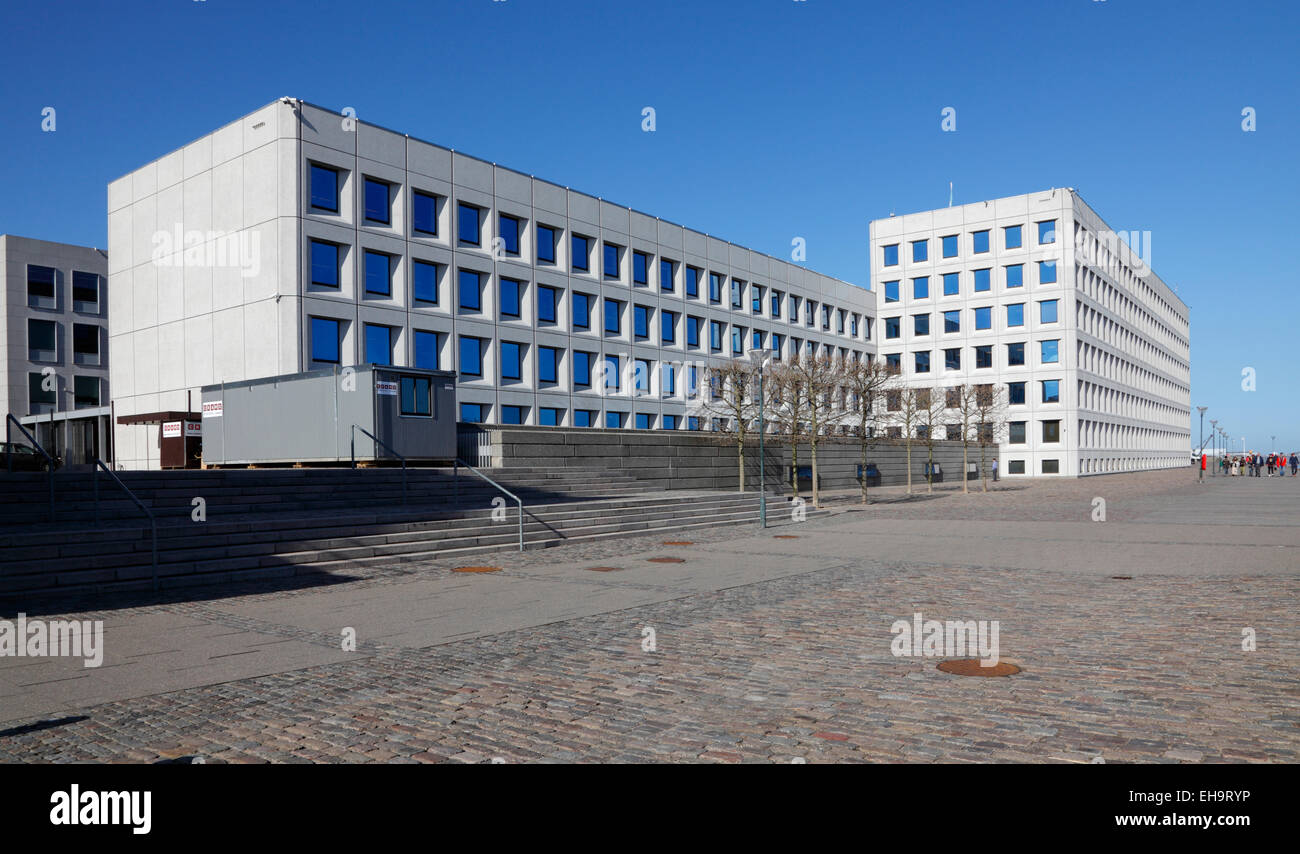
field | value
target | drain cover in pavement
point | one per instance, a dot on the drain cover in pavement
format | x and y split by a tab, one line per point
678	543
666	559
972	667
603	569
477	569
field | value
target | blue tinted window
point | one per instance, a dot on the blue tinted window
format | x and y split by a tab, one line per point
548	364
379	344
640	268
922	363
613	420
611	373
1016	314
736	287
667	324
546	303
471	413
1011	234
613	323
509	234
324	188
584	417
1047	232
891	255
984	318
546	244
692	422
415	396
1046	272
379	279
980	241
893	327
951	284
894	361
324	264
510	297
1015	393
378	201
549	417
642	421
641	376
471	356
736	347
581	253
1016	354
469	284
950	246
581	311
1047	311
424	278
582	367
921	287
920	324
1051	391
1015	275
426	350
715	335
665	275
984	356
511	360
715	287
756	340
891	291
692	332
1050	352
668	378
983	280
670	422
611	261
776	344
468	225
692	282
512	415
424	213
641	321
952	321
920	250
324	340
952	359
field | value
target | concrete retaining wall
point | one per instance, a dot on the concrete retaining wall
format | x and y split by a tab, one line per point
689	460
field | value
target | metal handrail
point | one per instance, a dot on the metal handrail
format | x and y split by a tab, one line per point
388	447
9	456
153	522
456	486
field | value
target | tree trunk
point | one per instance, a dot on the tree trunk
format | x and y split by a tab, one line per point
909	466
740	454
864	467
794	466
816	493
984	472
930	477
965	464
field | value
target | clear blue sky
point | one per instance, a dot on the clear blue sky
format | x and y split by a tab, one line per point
775	119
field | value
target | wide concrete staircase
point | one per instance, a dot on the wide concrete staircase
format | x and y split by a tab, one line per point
277	523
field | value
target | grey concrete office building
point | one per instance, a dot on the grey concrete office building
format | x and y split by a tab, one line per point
296	238
53	365
1037	294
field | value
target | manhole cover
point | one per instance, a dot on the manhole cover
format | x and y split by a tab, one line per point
785	536
972	667
603	569
666	559
678	543
1121	578
477	569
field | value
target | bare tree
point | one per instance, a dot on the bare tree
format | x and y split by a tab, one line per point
991	421
786	403
818	377
866	383
732	397
967	416
932	415
903	408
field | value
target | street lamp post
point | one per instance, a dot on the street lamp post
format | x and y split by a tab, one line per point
1202	409
1214	429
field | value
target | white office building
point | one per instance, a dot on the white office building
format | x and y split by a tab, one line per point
297	238
1037	294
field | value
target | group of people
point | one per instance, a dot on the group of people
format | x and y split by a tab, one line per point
1254	464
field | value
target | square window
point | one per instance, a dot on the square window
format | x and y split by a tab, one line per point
546	242
670	422
1015	466
471	357
920	324
379	344
893	327
983	280
952	321
1047	311
85	292
1046	232
980	241
427	350
472	413
379	273
984	356
470	290
922	362
984	318
581	310
424	278
920	250
548	364
324	264
468	225
1016	433
643	421
42	336
891	255
1015	393
1051	391
1051	431
379	201
921	287
550	417
510	298
415	394
1050	352
1011	237
1051	466
512	414
85	392
1016	314
891	291
584	417
325	340
1015	275
512	360
1046	272
424	213
325	188
581	247
894	362
949	246
613	420
951	284
547	302
952	359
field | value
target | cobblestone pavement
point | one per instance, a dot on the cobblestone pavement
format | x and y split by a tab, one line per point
778	650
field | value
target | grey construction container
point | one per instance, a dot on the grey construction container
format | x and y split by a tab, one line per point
314	417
